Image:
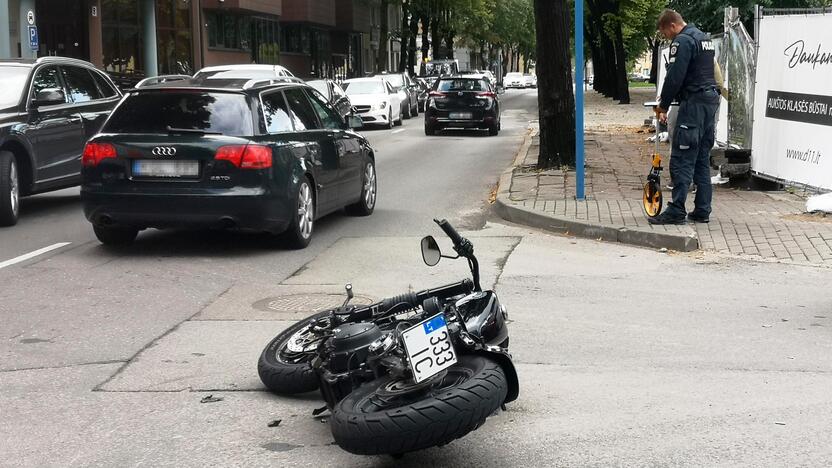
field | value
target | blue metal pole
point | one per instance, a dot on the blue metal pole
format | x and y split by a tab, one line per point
579	99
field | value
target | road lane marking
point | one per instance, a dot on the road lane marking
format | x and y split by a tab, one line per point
397	131
34	254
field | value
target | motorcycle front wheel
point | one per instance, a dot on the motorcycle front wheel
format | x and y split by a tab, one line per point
282	368
382	417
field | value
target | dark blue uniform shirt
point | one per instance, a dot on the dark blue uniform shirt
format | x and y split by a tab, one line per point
690	67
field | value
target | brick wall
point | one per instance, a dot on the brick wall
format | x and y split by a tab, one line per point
321	12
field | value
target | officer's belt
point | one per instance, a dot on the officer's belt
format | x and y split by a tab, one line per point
684	94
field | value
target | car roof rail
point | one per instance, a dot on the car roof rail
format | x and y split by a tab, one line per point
266	82
154	80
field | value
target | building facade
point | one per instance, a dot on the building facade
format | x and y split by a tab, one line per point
313	38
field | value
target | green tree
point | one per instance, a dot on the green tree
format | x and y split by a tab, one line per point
708	14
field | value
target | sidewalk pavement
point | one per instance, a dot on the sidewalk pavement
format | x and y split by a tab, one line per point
763	225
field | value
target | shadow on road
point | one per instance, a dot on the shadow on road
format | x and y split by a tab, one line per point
49	203
460	132
213	243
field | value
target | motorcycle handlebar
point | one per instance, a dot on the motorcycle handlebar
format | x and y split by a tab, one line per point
450	231
409	301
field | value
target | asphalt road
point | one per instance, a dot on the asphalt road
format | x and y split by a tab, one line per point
626	356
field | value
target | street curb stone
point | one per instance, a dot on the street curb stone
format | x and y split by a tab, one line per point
515	213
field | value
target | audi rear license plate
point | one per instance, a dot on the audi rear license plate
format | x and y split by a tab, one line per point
429	348
165	169
460	116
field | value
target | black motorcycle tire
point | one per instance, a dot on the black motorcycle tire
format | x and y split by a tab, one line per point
284	377
437	419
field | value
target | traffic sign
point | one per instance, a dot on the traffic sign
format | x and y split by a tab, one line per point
30	17
34	44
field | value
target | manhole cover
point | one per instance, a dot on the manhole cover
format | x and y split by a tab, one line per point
307	303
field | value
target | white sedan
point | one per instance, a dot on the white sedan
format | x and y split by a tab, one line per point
375	101
514	80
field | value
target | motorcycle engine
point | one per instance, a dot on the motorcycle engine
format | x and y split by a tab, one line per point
346	351
348	345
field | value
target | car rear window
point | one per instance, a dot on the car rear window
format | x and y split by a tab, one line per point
364	87
321	86
12	82
395	81
462	85
236	74
155	111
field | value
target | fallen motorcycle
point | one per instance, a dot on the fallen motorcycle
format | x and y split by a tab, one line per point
409	372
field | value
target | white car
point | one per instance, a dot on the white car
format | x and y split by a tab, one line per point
244	72
514	80
375	101
530	80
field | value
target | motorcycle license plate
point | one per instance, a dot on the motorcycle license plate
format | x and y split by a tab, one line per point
429	348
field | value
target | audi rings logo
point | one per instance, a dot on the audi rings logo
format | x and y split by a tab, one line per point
163	151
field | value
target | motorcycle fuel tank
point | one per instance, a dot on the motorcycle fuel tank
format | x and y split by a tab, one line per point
484	317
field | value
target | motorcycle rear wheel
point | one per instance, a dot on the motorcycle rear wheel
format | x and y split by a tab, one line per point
282	372
472	389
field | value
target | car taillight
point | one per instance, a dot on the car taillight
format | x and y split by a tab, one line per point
246	156
94	153
487	94
437	94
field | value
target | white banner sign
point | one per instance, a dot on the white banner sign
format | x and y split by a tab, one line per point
793	100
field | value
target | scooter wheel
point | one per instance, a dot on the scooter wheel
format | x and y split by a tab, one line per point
652	199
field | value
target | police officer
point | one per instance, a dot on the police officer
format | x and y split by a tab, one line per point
690	80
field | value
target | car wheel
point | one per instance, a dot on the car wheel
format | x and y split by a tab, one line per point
299	233
406	112
369	191
115	236
493	130
9	190
430	130
390	118
416	109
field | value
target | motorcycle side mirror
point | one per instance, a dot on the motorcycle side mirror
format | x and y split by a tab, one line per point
430	251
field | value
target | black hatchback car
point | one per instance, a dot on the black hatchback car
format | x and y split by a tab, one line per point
49	107
463	102
258	155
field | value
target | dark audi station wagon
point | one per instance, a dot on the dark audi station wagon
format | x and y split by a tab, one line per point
269	156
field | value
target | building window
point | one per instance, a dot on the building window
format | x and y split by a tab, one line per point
229	31
265	40
295	38
173	37
121	36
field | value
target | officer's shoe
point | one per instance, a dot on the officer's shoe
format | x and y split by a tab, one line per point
698	218
664	218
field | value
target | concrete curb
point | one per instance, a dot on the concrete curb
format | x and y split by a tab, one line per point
510	211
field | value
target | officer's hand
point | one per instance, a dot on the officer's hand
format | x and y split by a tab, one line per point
663	117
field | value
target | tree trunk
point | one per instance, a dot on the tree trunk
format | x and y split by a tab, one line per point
411	48
383	38
449	45
605	67
436	38
621	67
654	62
404	57
555	98
594	55
425	41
